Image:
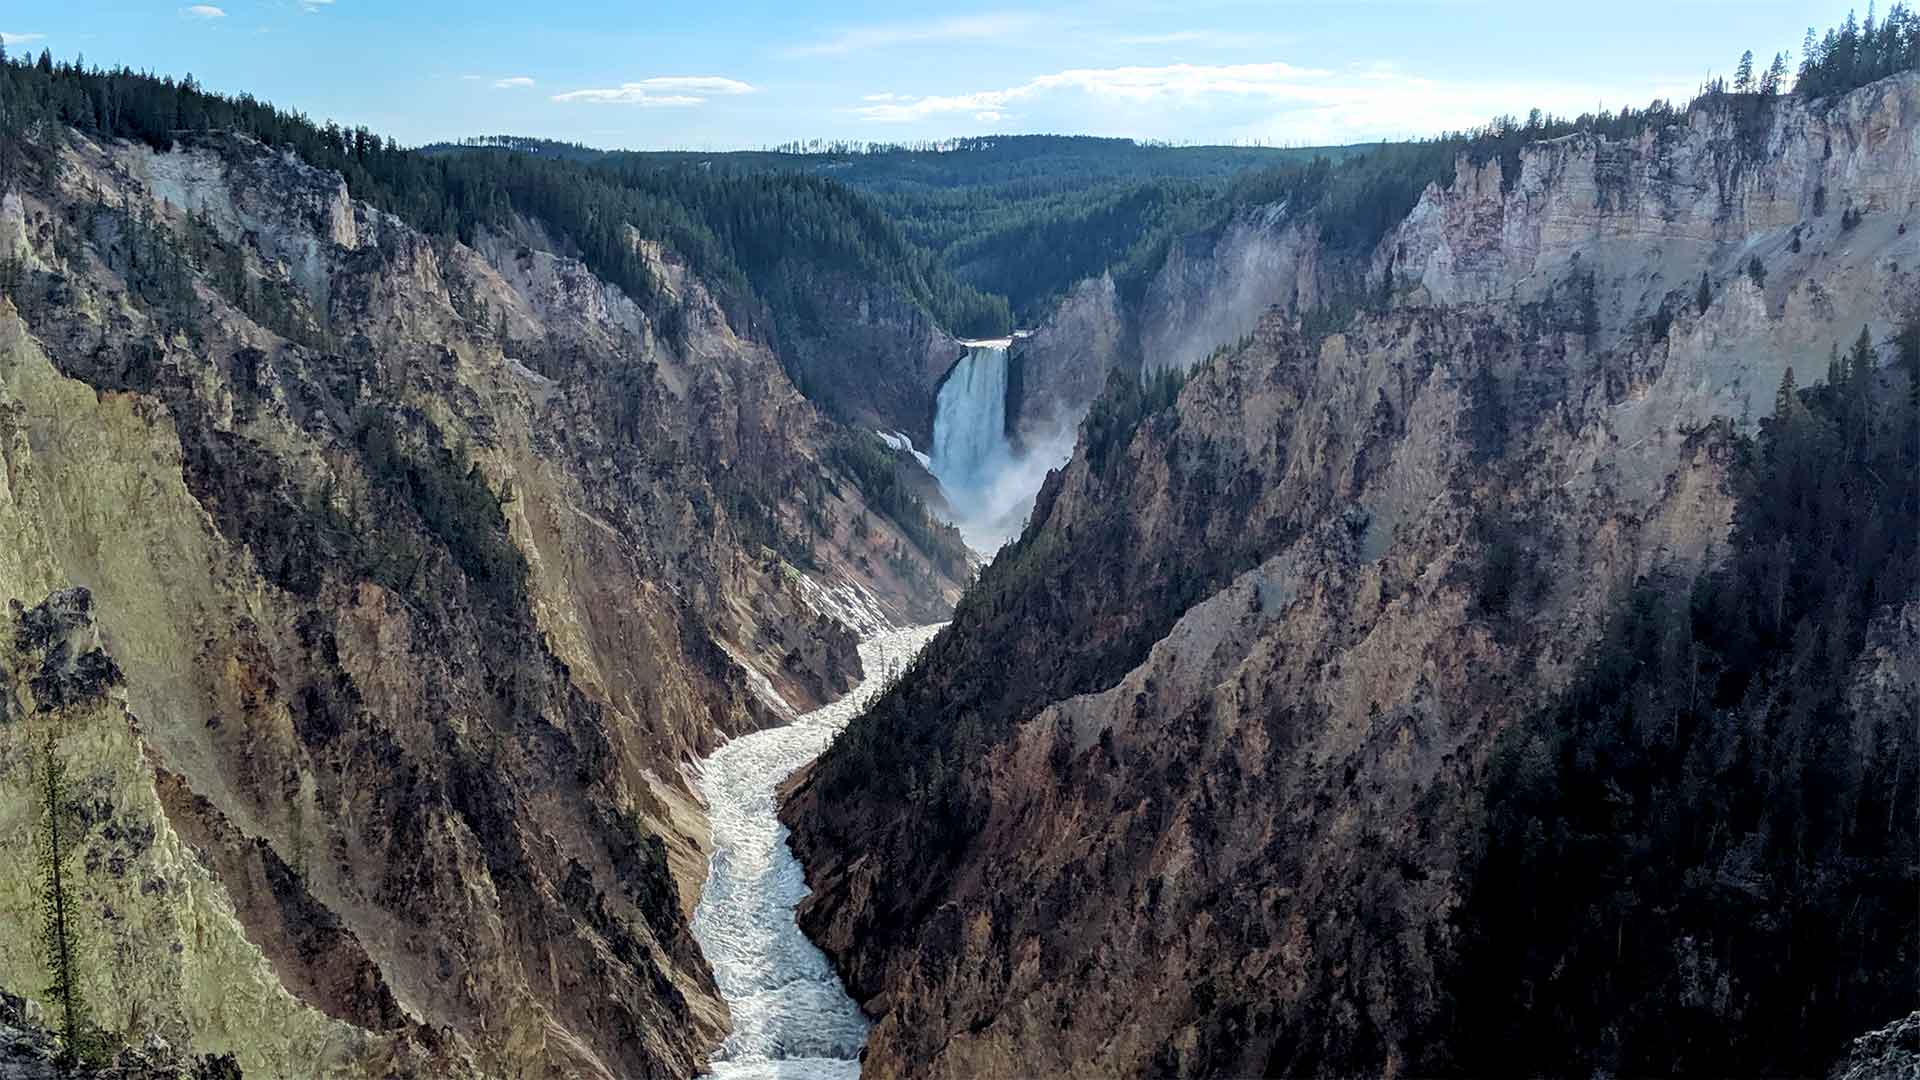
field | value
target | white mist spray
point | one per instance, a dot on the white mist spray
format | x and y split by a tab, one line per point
989	487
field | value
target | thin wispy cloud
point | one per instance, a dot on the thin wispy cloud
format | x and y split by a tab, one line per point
470	78
513	82
1201	39
661	91
1137	85
313	7
203	11
696	84
1177	37
1272	101
20	39
951	30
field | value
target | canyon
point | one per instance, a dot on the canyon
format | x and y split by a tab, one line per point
1206	829
454	662
396	792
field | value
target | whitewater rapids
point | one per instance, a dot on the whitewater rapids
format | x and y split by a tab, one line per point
791	1016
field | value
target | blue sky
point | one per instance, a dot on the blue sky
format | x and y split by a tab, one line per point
718	75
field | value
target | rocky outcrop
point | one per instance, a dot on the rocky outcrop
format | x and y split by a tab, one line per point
428	568
1211	290
1636	221
1058	370
1180	791
27	1052
1713	188
1890	1053
1215	286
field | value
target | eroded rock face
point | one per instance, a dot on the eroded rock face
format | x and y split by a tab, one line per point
1890	1053
1211	291
1059	370
164	960
1638	221
1215	287
1221	742
1172	868
427	569
29	1052
1703	192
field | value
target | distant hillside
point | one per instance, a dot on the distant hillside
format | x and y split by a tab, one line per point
1015	165
1019	216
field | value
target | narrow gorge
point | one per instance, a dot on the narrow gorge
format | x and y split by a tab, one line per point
790	1016
478	558
988	607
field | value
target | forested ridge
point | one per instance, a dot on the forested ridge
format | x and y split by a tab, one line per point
977	231
742	235
1703	859
1025	217
1019	216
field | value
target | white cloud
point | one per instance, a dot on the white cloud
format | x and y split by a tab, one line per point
513	82
20	39
628	95
469	78
953	29
695	84
1135	85
662	90
203	11
1273	102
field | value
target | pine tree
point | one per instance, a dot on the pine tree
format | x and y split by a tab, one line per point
1743	75
59	937
1776	76
1907	343
1861	357
1857	405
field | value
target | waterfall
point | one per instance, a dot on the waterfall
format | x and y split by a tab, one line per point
970	444
988	487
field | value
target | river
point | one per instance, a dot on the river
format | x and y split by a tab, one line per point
792	1018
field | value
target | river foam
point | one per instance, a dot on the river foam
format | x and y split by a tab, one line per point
792	1018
